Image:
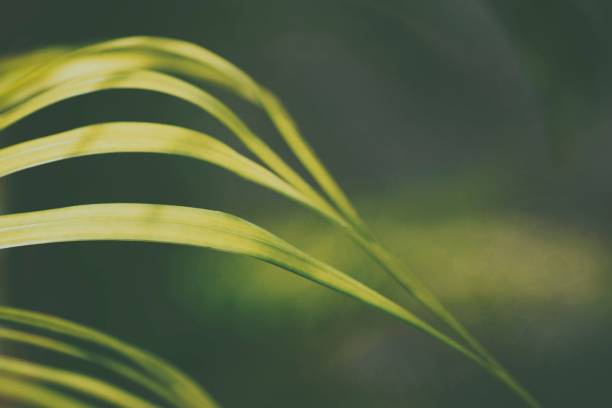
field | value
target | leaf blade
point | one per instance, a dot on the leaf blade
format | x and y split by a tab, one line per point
195	227
184	391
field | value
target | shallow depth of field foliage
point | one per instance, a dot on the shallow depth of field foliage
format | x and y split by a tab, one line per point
200	155
42	78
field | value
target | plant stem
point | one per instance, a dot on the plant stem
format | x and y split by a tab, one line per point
425	296
349	219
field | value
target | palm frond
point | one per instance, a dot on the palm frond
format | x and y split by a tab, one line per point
151	63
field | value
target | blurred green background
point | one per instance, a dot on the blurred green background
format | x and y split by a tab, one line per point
474	136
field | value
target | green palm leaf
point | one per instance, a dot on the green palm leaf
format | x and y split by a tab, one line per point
126	361
29	392
196	227
37	80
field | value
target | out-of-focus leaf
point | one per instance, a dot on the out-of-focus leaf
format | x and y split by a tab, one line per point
142	368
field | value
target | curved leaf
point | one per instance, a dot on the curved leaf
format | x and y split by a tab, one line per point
124	370
196	227
143	137
29	392
183	58
73	381
148	371
153	81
